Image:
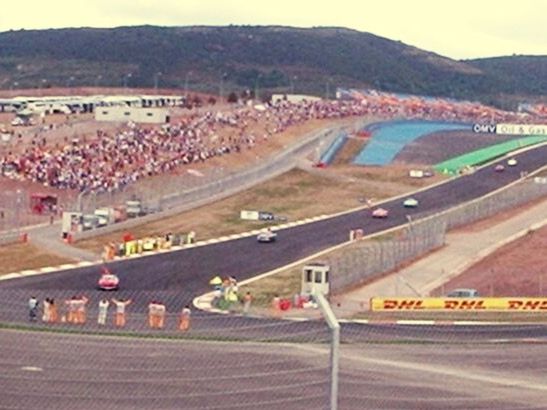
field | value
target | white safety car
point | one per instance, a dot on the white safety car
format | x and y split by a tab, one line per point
266	236
380	213
512	162
410	203
108	281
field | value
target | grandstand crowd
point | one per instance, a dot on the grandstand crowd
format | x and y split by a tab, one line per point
112	160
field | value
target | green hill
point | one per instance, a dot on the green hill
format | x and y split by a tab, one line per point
219	59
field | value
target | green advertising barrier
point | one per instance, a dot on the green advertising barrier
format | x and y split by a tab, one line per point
454	165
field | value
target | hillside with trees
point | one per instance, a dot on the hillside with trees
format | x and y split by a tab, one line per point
265	59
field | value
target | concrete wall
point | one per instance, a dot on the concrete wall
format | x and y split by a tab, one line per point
138	115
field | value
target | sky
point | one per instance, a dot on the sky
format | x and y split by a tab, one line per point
458	29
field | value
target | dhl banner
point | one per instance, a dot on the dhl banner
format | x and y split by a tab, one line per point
454	304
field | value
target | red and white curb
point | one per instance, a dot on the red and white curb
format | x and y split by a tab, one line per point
48	269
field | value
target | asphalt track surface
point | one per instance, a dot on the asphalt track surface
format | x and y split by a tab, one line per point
177	277
50	371
398	367
188	271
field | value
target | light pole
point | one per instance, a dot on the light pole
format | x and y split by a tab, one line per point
327	89
18	203
156	80
188	74
293	79
14	85
44	81
126	79
69	81
256	85
97	79
222	78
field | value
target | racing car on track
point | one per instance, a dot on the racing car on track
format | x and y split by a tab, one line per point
512	162
499	168
410	203
266	236
380	213
108	281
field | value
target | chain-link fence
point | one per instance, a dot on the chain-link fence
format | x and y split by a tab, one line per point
216	362
523	192
181	192
364	261
14	215
235	362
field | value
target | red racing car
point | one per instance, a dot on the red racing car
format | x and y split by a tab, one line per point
108	281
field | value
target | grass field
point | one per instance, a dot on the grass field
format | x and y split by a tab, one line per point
22	256
294	195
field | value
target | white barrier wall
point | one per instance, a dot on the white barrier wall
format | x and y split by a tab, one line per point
137	115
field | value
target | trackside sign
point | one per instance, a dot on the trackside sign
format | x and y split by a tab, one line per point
511	129
522	129
453	304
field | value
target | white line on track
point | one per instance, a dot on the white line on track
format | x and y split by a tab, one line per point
32	369
509	381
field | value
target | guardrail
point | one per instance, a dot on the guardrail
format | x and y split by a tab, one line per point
232	183
7	238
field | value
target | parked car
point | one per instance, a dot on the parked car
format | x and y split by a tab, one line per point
463	293
133	208
90	221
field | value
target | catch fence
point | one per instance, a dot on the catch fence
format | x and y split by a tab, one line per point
364	261
519	194
367	260
181	192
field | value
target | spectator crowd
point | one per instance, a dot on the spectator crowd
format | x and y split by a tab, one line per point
113	160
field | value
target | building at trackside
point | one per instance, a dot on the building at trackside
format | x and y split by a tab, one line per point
133	114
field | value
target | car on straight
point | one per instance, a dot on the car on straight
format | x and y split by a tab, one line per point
380	213
108	281
499	168
266	236
512	162
410	203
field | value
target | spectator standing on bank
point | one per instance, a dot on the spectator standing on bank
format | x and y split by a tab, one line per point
47	311
247	299
72	307
185	318
276	306
53	315
161	314
81	315
33	308
153	315
103	311
121	304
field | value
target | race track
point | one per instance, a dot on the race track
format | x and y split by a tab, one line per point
259	362
189	270
81	372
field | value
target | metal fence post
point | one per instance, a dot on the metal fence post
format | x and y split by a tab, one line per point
334	347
